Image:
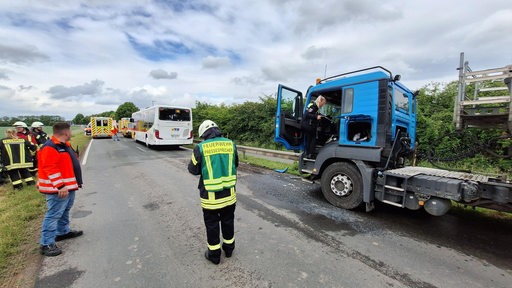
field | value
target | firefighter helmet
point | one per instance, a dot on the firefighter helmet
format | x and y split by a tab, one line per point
37	124
207	124
20	124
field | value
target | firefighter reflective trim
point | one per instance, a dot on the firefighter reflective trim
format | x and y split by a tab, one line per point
49	185
44	181
210	170
194	161
53	189
220	184
19	165
53	176
8	149
17	182
212	204
69	179
229	241
213	247
57	182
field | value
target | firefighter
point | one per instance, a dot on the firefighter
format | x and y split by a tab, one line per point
216	160
309	125
40	136
24	133
16	159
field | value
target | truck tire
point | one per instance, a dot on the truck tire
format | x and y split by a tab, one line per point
342	185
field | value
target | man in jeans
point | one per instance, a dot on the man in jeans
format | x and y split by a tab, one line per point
60	176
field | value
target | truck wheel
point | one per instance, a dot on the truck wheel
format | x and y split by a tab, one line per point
342	185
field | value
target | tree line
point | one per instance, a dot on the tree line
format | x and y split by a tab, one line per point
253	123
47	120
124	110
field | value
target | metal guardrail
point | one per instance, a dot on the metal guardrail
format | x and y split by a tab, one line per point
265	152
269	153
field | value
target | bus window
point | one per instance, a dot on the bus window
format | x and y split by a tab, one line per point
173	114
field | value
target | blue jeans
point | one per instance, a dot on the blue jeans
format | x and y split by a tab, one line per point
56	219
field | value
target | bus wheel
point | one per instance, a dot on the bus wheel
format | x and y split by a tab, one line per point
342	185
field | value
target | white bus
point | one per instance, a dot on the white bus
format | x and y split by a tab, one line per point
163	125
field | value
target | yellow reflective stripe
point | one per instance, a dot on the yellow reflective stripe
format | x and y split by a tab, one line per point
230	167
29	179
22	153
214	247
194	161
229	241
209	168
9	151
19	165
220	180
211	206
17	182
219	187
211	203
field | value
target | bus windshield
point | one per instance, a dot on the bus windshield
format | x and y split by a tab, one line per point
173	114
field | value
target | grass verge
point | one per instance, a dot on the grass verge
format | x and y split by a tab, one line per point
21	214
269	164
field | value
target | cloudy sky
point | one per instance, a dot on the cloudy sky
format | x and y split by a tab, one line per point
69	57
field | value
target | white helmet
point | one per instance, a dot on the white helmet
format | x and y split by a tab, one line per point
20	124
37	124
207	124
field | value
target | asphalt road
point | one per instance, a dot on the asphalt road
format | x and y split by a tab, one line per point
143	227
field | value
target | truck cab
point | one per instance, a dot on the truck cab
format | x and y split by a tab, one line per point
367	111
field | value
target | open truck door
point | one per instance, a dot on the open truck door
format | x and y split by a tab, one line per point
290	108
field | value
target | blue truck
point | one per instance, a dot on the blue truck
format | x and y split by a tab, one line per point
365	140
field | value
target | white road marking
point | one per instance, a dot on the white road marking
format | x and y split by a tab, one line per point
87	153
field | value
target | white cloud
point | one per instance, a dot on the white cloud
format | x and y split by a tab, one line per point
73	57
211	62
162	74
20	54
88	89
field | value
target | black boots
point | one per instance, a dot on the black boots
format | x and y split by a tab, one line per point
228	249
213	256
